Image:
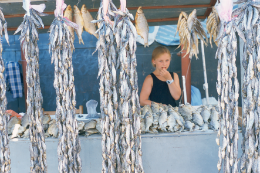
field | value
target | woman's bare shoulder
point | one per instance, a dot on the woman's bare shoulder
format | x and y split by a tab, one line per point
148	79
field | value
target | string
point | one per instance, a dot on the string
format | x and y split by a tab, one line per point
78	2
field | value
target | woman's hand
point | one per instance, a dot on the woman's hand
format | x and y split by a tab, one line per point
164	73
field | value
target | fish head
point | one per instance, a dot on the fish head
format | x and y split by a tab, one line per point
193	14
76	9
69	8
84	8
139	10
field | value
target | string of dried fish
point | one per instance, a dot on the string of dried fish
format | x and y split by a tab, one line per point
247	17
28	41
129	106
190	29
5	161
120	109
108	94
61	48
227	88
212	25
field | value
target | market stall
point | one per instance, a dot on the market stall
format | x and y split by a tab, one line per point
115	45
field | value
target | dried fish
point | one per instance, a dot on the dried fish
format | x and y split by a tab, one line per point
87	18
190	28
212	25
28	42
61	49
68	14
141	25
11	123
120	108
5	161
227	104
79	21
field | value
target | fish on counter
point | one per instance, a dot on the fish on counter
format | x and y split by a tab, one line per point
77	18
11	124
53	129
205	113
68	14
87	18
142	26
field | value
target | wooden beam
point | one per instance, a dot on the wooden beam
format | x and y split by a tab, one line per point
170	6
15	28
131	8
170	19
209	9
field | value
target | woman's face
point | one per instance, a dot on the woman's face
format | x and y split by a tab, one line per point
162	62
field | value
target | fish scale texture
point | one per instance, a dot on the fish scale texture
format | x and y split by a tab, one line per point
227	88
5	161
120	108
61	49
28	41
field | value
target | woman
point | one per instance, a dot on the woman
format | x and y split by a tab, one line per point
161	86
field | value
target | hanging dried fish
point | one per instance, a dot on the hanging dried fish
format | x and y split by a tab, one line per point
141	25
129	106
87	18
28	41
247	17
190	29
68	14
228	92
78	19
212	25
108	94
120	109
61	49
227	89
5	161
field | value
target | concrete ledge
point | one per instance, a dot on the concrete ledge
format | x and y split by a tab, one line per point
185	152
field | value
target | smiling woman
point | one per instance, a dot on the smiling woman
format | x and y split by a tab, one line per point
160	86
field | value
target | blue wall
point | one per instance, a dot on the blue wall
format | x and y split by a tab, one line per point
86	68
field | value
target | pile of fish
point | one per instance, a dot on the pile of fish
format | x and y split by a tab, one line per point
247	17
121	134
61	48
28	42
5	161
23	126
83	19
163	118
190	28
212	25
50	127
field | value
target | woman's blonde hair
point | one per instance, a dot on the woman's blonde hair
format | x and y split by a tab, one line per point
159	51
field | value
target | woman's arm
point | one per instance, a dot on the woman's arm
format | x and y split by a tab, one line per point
175	88
146	91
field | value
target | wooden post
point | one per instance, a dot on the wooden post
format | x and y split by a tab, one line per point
24	76
185	71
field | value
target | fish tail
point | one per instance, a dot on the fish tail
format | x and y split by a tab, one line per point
96	35
146	45
81	41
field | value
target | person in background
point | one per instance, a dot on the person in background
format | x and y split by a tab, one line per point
161	86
